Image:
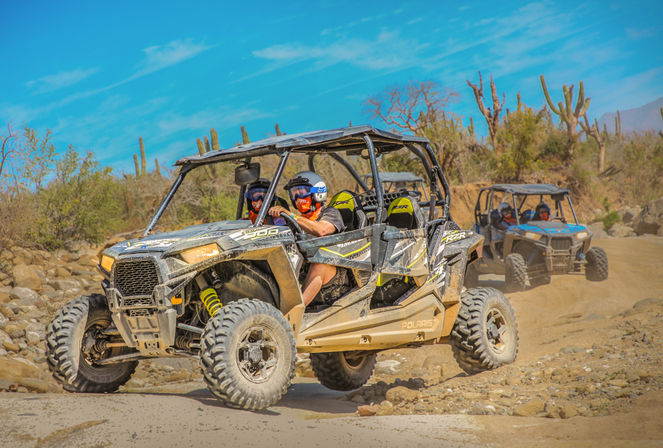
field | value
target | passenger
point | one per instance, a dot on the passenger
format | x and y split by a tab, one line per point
542	212
308	193
507	217
255	195
526	216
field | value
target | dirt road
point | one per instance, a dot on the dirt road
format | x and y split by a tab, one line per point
585	352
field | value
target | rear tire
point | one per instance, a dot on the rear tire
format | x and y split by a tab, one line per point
343	370
515	272
596	269
247	354
72	325
485	334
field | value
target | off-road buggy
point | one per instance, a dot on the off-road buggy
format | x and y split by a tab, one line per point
531	248
229	293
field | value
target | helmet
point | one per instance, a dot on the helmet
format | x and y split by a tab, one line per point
306	190
256	191
541	208
505	208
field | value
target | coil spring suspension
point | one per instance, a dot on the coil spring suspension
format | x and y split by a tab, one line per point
210	299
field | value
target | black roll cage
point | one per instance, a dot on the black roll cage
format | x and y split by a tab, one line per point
427	157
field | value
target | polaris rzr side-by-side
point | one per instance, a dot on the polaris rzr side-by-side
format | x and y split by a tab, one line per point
527	240
229	293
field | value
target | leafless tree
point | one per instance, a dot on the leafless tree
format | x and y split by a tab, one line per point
8	148
492	116
411	107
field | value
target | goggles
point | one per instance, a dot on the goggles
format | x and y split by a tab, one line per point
300	192
256	194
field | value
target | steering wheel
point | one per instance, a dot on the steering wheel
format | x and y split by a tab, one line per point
292	223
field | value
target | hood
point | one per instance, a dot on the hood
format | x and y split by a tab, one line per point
550	227
167	241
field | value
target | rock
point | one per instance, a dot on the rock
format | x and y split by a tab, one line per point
367	410
649	220
33	337
62	271
24	296
597	229
630	213
387	367
66	285
529	409
10	346
568	410
26	277
400	394
18	368
15	330
619	230
4	297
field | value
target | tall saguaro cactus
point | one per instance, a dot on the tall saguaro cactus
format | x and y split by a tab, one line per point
661	111
277	129
215	139
142	156
136	165
245	136
157	168
594	132
618	126
569	115
492	116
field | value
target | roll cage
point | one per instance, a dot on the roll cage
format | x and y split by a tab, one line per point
363	141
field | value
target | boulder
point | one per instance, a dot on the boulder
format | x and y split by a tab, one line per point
597	229
630	213
650	219
24	296
619	230
529	409
400	394
18	368
26	277
367	410
65	285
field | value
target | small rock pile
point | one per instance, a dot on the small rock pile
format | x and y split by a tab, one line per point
634	221
588	381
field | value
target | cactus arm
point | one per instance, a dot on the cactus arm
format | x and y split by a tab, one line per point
201	146
547	95
136	165
215	139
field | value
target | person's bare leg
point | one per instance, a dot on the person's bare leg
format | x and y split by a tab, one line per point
318	275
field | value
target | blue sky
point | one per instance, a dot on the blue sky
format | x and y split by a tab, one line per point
101	74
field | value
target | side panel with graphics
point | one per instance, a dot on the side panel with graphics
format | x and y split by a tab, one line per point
348	249
406	253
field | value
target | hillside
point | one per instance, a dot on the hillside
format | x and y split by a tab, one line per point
643	118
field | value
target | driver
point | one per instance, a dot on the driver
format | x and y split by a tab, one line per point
308	193
507	216
255	195
542	212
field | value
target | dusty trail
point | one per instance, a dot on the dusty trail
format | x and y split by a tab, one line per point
570	312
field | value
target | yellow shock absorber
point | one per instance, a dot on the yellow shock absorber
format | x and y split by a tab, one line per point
210	299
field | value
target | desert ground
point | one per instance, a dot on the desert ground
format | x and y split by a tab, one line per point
589	373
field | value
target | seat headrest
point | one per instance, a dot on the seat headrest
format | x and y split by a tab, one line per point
401	213
346	203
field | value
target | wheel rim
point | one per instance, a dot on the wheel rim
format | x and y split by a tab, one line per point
496	330
353	360
257	355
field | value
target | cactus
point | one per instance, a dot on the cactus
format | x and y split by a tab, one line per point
245	136
618	126
142	156
201	147
350	124
277	129
215	139
594	132
492	116
157	168
661	111
568	115
136	165
520	103
470	128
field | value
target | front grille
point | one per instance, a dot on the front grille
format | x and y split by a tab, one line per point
139	313
137	302
560	243
136	277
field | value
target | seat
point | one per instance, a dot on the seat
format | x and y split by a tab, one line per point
404	213
348	205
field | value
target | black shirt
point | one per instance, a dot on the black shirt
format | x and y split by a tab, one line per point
333	216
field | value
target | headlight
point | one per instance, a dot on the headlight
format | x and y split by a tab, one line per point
198	254
533	236
581	235
107	263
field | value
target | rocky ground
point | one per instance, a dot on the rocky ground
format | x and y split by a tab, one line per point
588	351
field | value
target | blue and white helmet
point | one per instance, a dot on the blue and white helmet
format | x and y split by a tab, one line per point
316	187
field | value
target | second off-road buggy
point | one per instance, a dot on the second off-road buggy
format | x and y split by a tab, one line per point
530	248
229	292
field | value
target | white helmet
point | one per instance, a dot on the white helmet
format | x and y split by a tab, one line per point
317	188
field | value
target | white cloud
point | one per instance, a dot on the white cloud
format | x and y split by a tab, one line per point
60	80
158	57
637	33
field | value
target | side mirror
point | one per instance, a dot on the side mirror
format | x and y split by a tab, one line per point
247	173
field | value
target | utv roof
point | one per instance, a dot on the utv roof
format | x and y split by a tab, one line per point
397	177
529	189
316	141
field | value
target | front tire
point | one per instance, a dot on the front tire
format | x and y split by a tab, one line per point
515	272
596	269
247	354
343	370
485	334
77	322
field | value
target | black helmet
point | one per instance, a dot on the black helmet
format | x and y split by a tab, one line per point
256	191
542	207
